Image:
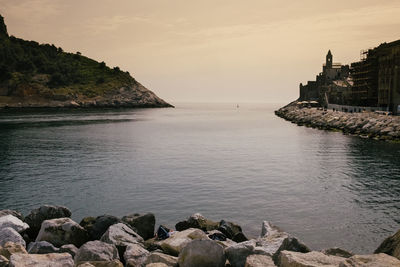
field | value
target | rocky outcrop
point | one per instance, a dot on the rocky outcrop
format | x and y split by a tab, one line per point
143	223
390	246
52	259
366	125
13	222
174	244
46	212
62	231
202	253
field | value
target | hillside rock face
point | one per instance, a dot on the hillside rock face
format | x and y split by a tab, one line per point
34	75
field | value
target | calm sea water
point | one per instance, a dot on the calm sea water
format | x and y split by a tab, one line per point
245	165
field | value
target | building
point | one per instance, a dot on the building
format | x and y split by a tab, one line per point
377	78
331	72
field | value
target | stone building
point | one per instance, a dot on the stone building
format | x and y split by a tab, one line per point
331	72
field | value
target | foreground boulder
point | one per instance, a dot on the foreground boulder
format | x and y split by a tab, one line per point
197	221
96	251
53	260
46	212
232	231
71	249
96	227
259	261
375	260
41	247
143	223
174	244
10	248
310	259
13	213
10	235
62	231
13	222
157	257
272	241
390	246
121	236
202	253
135	255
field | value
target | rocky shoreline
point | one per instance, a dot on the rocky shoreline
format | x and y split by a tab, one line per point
47	236
366	124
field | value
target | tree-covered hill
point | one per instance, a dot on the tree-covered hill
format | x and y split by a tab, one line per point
43	75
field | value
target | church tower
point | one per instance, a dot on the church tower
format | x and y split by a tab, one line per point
329	60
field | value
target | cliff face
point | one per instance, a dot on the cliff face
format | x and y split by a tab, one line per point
3	28
42	75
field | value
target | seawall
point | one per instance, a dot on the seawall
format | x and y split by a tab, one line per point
365	124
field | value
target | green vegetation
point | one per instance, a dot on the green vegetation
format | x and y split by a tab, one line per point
49	69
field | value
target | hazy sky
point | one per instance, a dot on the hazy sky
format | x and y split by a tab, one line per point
210	50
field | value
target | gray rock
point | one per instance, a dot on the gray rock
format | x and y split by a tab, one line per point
41	247
62	231
10	248
310	259
337	252
175	243
13	222
238	253
274	240
202	253
113	263
10	235
96	251
157	257
53	260
135	255
143	223
390	246
259	261
230	230
99	226
13	213
121	236
375	260
197	221
46	212
71	249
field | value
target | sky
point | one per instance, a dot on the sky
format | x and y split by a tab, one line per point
210	50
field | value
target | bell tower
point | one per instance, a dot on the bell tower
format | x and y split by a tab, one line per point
329	60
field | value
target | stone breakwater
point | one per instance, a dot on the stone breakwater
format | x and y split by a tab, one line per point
47	236
366	124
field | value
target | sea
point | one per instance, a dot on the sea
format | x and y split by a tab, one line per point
241	164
